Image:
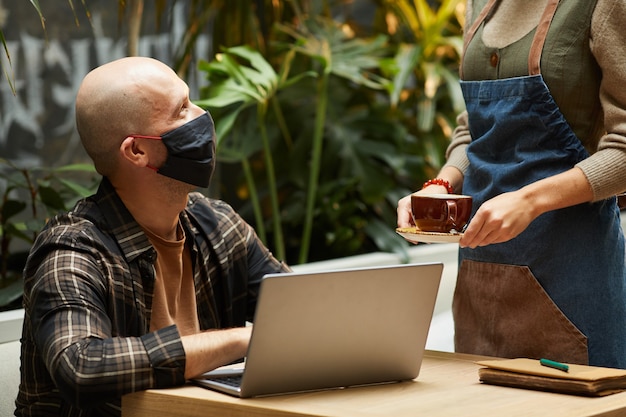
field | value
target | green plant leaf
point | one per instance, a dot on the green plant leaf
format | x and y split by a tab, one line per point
406	59
76	188
89	168
387	239
223	95
35	3
10	208
18	230
227	121
51	198
349	58
257	61
7	76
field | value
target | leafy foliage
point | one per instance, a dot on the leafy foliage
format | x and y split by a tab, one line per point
323	123
29	196
350	124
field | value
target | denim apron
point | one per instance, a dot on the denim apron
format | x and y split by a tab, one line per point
558	289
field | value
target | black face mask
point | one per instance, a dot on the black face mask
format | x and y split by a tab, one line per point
190	151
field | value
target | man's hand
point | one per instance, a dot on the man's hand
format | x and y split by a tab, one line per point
211	349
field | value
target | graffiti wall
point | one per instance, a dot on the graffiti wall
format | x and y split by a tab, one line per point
47	66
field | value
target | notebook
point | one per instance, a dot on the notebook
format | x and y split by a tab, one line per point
335	329
585	380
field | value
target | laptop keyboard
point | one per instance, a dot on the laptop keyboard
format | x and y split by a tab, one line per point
233	381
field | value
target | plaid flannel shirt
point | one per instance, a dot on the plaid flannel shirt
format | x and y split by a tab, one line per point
88	297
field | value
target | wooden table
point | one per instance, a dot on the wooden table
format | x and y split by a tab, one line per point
447	386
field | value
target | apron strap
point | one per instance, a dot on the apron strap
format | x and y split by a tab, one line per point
534	58
472	30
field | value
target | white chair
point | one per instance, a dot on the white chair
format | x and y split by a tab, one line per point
10	380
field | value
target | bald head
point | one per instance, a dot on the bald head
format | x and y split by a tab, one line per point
118	99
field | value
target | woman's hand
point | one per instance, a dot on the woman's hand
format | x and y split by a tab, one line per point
498	220
450	174
507	215
405	218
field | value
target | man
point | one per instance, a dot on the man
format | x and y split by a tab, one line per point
127	291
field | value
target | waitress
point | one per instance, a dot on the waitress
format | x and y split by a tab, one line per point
541	149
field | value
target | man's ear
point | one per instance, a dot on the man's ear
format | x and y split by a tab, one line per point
135	151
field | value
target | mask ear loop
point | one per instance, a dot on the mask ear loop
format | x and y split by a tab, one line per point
146	137
155	169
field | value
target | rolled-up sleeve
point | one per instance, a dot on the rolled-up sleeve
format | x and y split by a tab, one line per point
88	360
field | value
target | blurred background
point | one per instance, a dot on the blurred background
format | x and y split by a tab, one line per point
327	112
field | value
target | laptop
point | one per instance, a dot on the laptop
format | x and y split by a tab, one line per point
335	329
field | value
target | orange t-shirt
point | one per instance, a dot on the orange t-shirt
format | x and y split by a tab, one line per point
174	299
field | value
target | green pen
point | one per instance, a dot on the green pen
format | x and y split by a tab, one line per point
556	365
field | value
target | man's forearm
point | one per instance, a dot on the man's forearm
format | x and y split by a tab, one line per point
211	349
